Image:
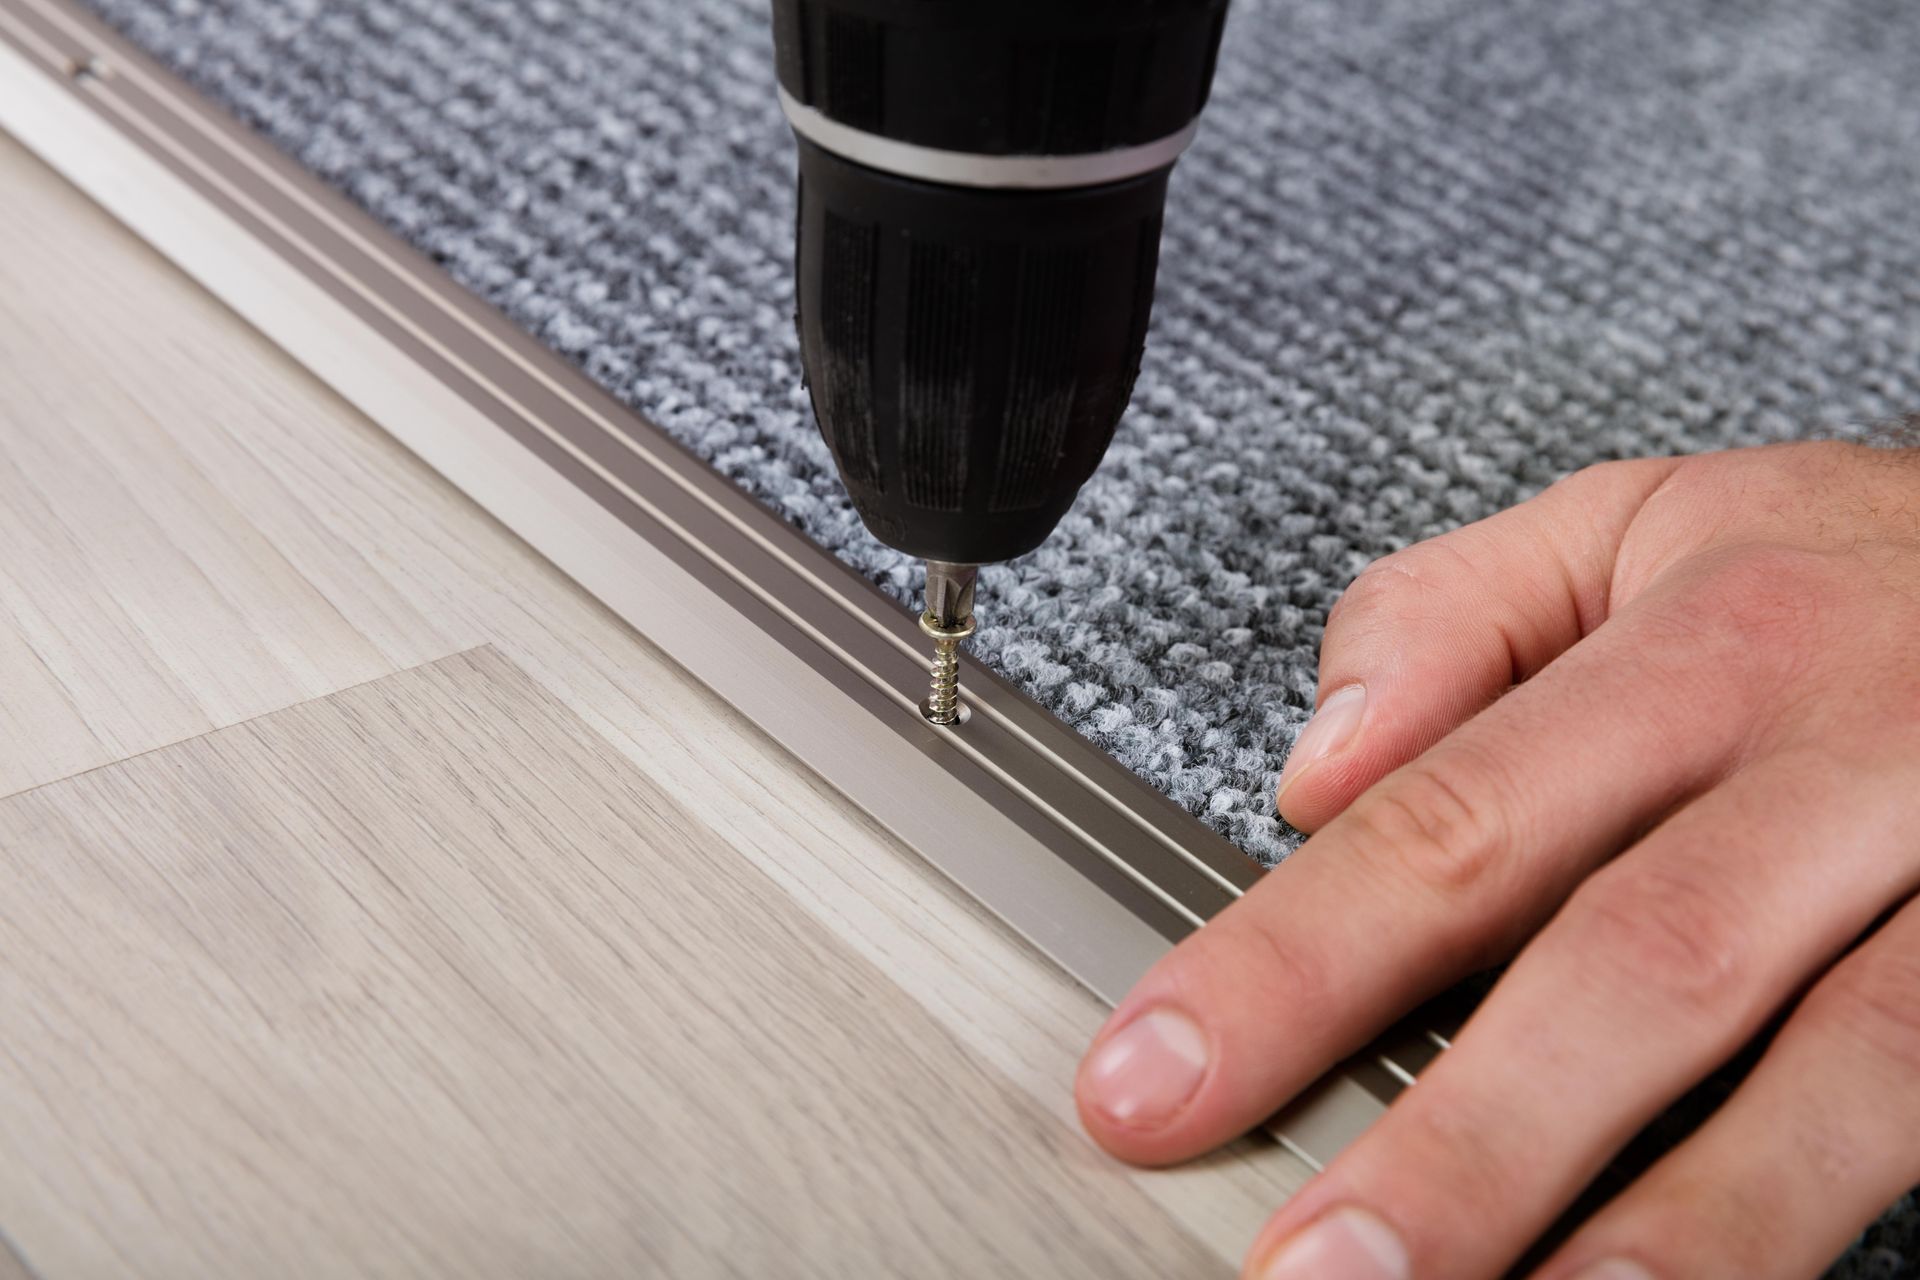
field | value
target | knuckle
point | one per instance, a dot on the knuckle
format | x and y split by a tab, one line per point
1772	591
1665	933
1435	823
1582	487
1756	612
1465	1134
1251	938
1873	999
1395	581
1373	591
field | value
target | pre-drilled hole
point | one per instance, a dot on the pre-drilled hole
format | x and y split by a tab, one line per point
926	709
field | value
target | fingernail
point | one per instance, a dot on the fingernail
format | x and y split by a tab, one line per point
1346	1244
1615	1269
1147	1070
1332	725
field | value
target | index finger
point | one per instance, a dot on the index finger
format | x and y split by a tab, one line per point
1442	869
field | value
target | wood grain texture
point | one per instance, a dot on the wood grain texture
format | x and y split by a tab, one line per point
426	979
326	555
122	626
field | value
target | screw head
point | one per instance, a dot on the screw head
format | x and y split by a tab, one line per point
958	631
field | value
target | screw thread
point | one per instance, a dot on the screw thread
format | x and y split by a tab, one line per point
943	698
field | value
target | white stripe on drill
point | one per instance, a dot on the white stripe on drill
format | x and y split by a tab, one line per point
968	169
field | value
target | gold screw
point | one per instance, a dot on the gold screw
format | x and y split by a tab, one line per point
943	701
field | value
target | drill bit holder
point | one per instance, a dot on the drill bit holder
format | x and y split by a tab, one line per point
981	188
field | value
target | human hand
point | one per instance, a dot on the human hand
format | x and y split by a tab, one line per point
1655	736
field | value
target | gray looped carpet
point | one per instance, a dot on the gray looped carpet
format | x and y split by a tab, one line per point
1426	256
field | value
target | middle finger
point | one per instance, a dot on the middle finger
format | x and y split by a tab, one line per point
1441	869
1655	972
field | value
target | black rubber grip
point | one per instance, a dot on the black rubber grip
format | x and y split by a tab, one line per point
1002	77
970	351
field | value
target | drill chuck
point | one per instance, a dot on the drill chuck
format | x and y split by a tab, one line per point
981	189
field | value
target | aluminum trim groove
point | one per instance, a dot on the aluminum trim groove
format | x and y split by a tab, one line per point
1094	867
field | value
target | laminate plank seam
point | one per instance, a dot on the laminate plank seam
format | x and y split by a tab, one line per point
219	728
545	847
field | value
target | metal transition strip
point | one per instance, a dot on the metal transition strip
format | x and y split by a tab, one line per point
1092	865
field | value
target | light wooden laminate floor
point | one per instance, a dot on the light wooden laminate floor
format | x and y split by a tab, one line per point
372	902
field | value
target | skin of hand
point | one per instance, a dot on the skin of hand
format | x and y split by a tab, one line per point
1653	736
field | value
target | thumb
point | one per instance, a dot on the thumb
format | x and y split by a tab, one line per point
1426	637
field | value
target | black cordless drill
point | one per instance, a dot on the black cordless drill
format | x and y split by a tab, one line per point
981	187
